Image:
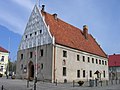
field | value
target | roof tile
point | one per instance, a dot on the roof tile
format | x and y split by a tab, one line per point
70	36
114	60
3	50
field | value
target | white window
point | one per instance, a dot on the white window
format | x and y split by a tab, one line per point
2	59
1	69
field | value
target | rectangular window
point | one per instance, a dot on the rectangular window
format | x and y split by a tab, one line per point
40	31
78	73
41	65
88	59
83	73
25	36
1	69
64	53
99	61
2	59
64	71
31	35
92	60
104	74
96	61
41	52
90	73
78	58
105	62
83	58
35	33
21	56
102	62
31	54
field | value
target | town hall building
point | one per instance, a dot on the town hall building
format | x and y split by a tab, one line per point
52	49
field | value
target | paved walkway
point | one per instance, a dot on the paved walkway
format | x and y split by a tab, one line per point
16	84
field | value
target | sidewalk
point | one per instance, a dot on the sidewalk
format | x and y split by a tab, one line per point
16	84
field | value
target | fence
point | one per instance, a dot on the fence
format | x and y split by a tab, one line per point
95	83
90	83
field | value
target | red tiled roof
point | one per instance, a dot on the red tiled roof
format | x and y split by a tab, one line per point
3	50
114	60
70	36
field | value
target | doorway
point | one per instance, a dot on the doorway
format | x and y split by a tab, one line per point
31	71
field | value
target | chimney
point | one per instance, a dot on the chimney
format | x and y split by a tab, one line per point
85	31
55	16
43	8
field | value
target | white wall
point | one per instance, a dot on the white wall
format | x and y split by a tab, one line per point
35	24
5	62
73	65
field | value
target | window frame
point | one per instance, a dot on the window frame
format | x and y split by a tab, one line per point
78	73
64	53
31	54
78	57
40	31
83	58
3	58
21	57
104	74
105	62
92	60
41	66
64	71
100	62
41	52
96	61
83	73
90	73
88	59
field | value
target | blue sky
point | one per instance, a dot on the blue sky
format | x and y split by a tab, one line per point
101	16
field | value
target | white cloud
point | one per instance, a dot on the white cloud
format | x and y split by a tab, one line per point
25	3
12	22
